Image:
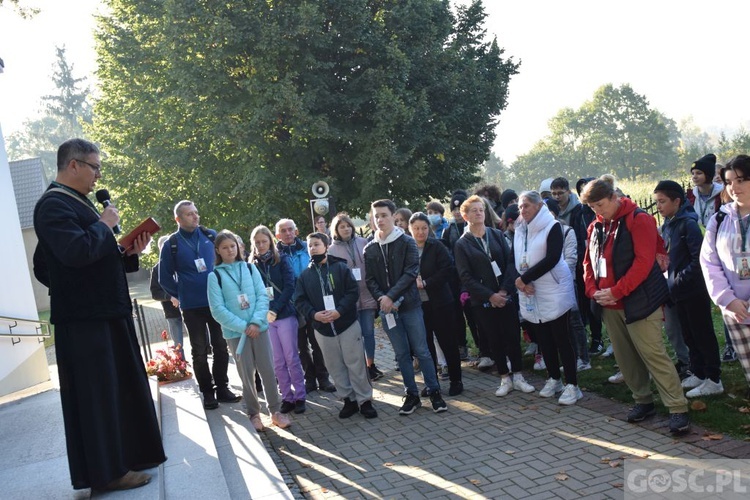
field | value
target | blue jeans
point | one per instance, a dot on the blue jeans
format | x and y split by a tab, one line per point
407	337
367	324
175	331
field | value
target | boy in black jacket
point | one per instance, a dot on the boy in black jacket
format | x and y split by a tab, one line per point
326	294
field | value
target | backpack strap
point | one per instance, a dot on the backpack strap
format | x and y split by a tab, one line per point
720	216
218	276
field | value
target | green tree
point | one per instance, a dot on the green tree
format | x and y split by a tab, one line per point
63	116
21	10
616	131
728	148
241	106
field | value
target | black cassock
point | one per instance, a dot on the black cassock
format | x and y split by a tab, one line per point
110	420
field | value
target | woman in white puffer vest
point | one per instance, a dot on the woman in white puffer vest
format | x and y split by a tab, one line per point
546	292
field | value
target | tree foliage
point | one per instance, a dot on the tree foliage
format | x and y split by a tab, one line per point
241	106
63	116
22	10
616	131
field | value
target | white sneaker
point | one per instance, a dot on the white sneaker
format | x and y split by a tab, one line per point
570	395
539	363
707	388
617	378
551	388
692	382
609	352
581	366
505	387
485	362
530	349
520	384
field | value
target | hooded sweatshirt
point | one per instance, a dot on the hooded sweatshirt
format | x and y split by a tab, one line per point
643	231
718	258
573	202
706	209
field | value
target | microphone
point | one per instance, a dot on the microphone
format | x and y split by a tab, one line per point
102	196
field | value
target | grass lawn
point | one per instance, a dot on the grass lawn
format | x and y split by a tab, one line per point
728	413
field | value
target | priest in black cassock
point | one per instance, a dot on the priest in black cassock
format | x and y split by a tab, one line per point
111	428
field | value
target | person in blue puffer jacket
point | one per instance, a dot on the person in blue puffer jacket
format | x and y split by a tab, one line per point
239	303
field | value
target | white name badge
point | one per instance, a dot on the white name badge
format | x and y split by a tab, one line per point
357	272
242	301
329	303
390	320
200	265
496	269
602	267
524	265
269	292
743	267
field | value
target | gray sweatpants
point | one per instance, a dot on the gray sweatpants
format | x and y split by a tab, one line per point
257	355
344	356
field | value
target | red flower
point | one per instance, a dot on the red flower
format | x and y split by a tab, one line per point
164	335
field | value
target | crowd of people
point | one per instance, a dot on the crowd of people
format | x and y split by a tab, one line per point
298	315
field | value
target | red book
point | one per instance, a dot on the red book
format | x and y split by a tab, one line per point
149	226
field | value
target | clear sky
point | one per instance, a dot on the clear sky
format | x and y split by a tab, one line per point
690	58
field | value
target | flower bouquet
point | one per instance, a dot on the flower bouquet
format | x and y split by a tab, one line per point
168	365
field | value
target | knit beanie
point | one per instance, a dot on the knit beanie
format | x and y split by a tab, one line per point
707	165
459	196
508	196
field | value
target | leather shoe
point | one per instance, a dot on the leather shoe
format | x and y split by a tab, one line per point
224	395
311	386
129	481
209	400
326	386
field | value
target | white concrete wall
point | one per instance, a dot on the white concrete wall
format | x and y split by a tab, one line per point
41	292
24	364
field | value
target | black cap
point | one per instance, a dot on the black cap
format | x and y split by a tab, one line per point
512	212
670	187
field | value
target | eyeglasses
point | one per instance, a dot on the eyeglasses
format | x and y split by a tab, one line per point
557	194
96	168
736	180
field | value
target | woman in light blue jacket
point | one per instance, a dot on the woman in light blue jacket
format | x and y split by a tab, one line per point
239	303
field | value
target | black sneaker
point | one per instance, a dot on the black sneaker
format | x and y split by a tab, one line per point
224	395
286	406
209	400
367	410
640	412
679	423
311	386
299	406
424	392
374	373
438	405
456	388
411	403
597	347
729	354
349	409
